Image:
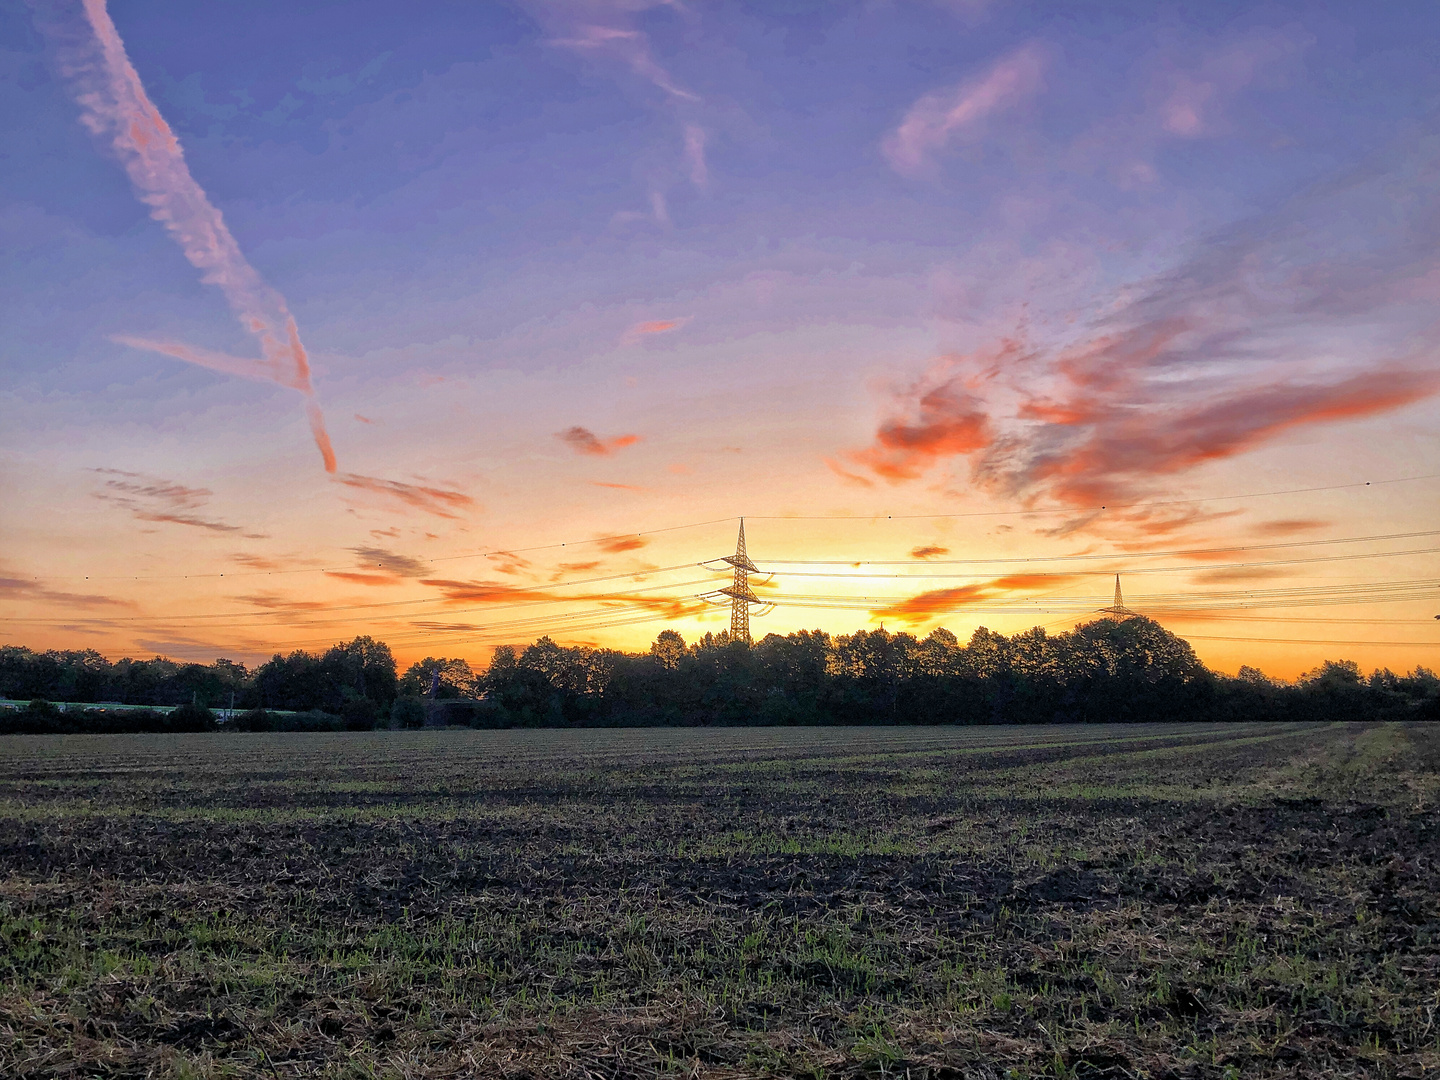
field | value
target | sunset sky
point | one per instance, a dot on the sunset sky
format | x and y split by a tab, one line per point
462	323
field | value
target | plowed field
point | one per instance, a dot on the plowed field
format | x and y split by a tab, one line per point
1130	901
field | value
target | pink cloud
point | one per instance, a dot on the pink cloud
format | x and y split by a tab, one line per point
938	117
1195	101
650	328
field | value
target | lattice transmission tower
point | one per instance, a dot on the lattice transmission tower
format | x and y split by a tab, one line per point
1118	608
740	596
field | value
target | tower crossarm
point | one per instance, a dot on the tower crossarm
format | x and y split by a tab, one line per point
741	591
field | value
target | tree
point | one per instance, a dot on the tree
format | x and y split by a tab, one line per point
456	680
362	667
668	650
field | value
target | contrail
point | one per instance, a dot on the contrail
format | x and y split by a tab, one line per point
115	106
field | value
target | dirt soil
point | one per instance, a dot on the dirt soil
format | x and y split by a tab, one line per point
1086	902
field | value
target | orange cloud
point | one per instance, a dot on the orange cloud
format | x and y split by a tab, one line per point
257	562
272	602
616	487
1025	582
617	544
941	416
928	552
1240	573
485	592
509	563
927	605
364	579
1289	526
584	441
1131	445
573	568
499	592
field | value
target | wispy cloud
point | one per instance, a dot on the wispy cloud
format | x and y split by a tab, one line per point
507	562
1195	99
612	36
15	588
501	592
149	498
1288	526
442	502
610	32
584	441
380	566
928	552
115	107
281	604
364	579
391	562
961	111
616	544
259	562
616	487
564	568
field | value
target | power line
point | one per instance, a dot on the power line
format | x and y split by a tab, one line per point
1109	555
1091	509
352	567
278	613
1203	567
502	552
919	576
1317	641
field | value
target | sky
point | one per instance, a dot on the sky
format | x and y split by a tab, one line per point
462	323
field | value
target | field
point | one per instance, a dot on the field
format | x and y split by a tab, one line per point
912	902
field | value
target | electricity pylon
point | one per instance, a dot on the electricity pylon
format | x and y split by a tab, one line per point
1118	608
739	592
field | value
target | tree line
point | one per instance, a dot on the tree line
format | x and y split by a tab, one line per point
1107	670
